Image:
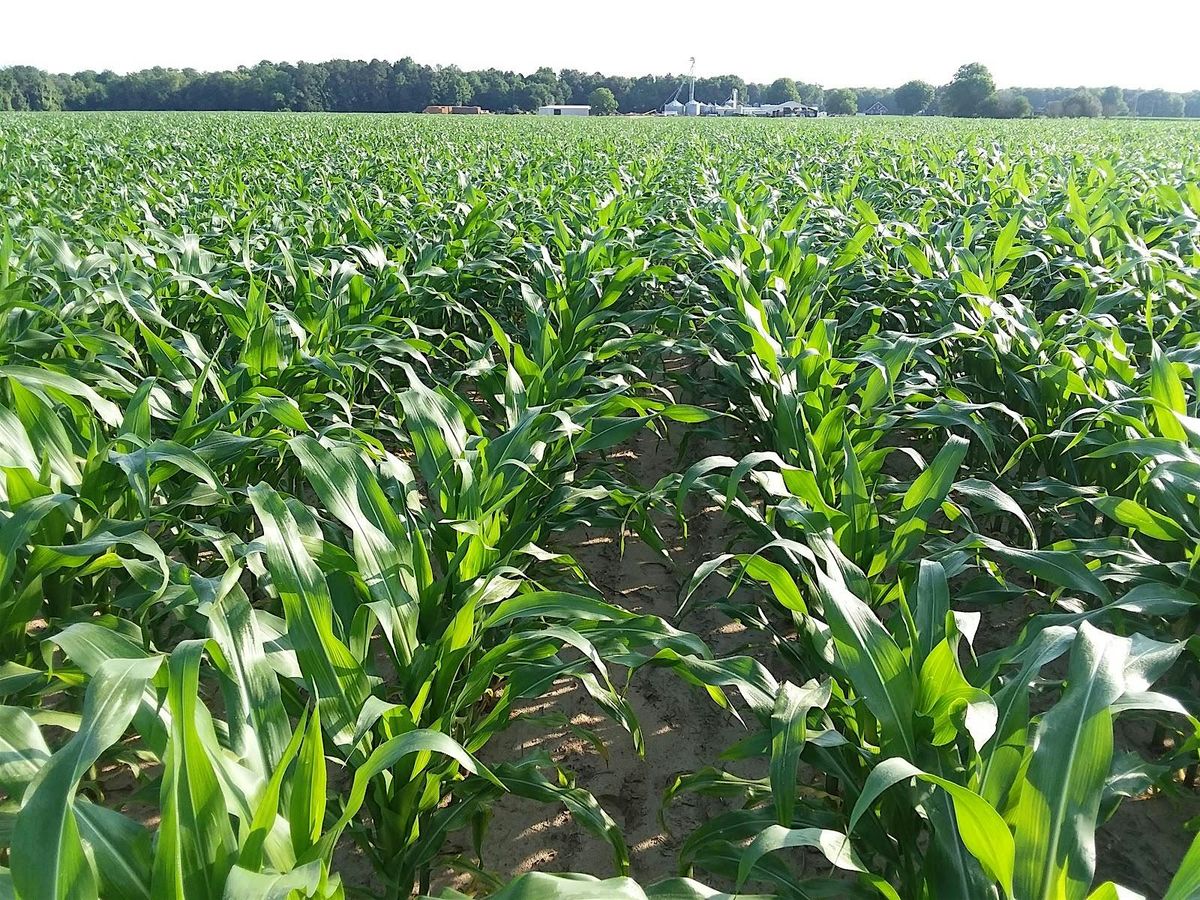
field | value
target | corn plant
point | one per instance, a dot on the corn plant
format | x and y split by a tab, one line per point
300	418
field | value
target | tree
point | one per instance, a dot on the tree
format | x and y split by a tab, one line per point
1161	104
811	94
782	90
449	87
913	96
1083	104
1006	105
1020	107
972	84
1112	102
868	97
559	92
533	94
841	102
720	88
354	85
30	88
602	101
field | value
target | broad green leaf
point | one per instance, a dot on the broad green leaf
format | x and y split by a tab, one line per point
980	827
1166	390
1186	883
1059	567
383	545
834	845
1132	514
306	811
1069	757
873	662
334	677
23	750
789	731
196	846
921	501
48	857
257	721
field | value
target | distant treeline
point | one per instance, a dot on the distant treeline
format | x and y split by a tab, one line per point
405	86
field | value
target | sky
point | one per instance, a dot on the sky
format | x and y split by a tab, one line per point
1026	43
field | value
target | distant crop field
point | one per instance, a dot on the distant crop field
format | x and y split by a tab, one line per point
614	508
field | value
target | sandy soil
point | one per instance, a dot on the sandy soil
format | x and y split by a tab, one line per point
684	730
1142	845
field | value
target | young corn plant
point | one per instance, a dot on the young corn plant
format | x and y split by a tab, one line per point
911	740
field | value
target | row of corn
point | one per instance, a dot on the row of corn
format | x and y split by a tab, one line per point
298	416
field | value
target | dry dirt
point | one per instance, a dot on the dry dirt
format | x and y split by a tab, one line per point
1143	844
684	730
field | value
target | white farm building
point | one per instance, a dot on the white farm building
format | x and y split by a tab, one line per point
733	106
562	110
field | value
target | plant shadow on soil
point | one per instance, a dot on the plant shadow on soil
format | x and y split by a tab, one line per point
684	730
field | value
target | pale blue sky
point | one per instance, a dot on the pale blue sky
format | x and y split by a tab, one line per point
1035	43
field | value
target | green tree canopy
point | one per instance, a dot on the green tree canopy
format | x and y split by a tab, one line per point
1160	103
812	94
1083	104
1112	102
533	94
841	102
782	90
913	97
1006	105
450	86
344	85
964	95
602	101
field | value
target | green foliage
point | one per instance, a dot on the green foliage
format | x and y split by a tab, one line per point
966	92
1082	104
1161	104
294	439
602	102
405	86
1006	105
782	90
841	102
1112	102
913	97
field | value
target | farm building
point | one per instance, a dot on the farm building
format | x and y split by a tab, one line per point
787	108
454	110
876	109
692	107
734	107
559	109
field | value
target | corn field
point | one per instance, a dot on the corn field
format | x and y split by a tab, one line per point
299	416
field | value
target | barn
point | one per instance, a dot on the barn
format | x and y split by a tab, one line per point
443	110
559	109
